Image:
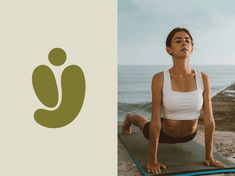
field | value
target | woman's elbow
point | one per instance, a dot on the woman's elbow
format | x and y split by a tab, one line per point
210	124
155	126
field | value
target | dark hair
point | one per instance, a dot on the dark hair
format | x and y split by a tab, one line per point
171	34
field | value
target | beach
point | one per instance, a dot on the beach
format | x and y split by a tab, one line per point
224	142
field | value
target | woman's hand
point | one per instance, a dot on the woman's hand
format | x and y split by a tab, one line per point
155	167
213	162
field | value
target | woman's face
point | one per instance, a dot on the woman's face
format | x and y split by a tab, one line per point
181	45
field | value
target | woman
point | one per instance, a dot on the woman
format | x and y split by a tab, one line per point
183	92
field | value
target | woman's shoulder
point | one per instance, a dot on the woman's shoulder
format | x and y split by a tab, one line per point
203	74
157	81
158	76
205	77
206	81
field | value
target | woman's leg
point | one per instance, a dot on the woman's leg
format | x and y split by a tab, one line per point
135	119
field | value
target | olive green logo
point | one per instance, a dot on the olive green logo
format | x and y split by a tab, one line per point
73	87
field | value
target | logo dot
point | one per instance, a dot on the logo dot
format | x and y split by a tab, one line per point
57	56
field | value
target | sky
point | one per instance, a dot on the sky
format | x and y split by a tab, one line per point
143	26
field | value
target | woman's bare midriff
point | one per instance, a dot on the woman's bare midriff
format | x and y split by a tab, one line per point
179	128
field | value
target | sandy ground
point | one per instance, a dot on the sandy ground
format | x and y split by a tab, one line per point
224	143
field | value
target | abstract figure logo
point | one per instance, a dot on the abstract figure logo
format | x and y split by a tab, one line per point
73	88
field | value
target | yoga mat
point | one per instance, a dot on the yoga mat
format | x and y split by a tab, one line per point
181	158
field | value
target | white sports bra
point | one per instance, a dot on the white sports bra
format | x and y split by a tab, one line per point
182	105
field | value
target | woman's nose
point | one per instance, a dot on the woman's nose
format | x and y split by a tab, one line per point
184	43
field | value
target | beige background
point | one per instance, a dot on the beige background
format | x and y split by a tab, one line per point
86	30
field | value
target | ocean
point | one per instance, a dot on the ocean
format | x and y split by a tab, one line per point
134	85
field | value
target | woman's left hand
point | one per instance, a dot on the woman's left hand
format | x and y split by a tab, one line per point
214	163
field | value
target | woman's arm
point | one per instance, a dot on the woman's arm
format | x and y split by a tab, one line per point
209	123
155	126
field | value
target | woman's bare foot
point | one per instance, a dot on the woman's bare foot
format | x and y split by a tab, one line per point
126	128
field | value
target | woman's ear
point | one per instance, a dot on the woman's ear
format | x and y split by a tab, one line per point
168	50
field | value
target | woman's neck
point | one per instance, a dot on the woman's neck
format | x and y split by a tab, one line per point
181	66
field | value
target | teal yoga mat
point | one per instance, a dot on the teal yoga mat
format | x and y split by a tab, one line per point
183	159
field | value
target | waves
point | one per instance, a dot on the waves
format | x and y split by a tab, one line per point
143	108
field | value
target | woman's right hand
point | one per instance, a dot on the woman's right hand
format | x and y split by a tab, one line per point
155	167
